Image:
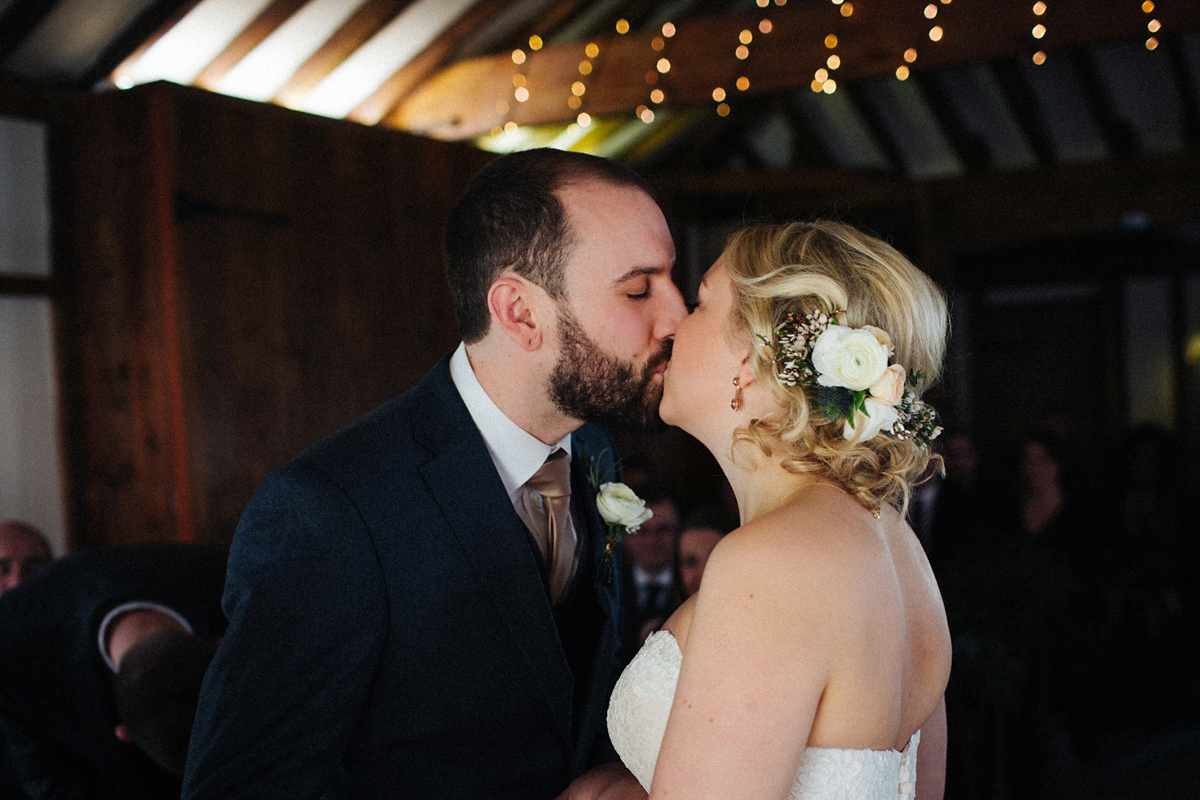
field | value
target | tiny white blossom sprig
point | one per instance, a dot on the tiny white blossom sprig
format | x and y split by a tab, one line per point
623	512
848	370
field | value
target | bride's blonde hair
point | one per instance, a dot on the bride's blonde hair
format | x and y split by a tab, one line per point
804	267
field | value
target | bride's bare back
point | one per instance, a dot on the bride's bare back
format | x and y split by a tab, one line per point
850	629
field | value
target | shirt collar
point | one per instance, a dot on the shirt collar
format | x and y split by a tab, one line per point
516	453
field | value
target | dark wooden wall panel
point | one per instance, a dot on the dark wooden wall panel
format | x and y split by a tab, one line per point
307	254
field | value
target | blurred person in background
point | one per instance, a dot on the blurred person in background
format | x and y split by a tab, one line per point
697	538
23	551
650	556
101	658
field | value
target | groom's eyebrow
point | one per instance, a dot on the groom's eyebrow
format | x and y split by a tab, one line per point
637	272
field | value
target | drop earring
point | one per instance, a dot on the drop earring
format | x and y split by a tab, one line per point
736	402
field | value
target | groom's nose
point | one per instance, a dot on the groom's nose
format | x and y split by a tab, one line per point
670	312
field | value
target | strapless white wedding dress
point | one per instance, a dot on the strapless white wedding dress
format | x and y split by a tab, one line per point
637	719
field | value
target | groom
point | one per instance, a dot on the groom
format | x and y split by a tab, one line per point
414	610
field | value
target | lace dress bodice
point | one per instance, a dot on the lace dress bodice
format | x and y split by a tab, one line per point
641	703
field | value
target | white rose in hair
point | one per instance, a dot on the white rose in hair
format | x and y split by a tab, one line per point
618	504
879	416
890	388
849	357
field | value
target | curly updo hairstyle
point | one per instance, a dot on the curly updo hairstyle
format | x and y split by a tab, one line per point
804	267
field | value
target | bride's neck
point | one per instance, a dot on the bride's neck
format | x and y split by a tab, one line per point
760	484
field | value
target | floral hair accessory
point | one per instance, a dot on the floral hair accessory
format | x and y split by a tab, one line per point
848	368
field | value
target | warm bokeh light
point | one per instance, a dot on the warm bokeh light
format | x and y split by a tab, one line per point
902	72
519	80
592	50
830	86
723	110
1151	43
765	27
510	127
574	103
585	68
847	9
1039	8
763	3
584	119
646	114
521	93
745	37
622	26
518	57
1153	25
831	41
817	86
535	42
668	29
1038	31
1039	58
910	55
663	66
931	11
657	96
834	61
821	75
718	94
578	88
743	83
1148	6
657	43
742	52
935	33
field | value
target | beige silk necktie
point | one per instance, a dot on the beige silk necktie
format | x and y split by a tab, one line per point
547	498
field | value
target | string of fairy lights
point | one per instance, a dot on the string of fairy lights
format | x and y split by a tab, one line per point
823	77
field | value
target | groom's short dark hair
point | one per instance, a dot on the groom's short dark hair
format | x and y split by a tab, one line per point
510	216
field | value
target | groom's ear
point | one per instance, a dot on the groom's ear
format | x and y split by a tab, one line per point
513	303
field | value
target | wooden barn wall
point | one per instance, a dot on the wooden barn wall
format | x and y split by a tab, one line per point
247	281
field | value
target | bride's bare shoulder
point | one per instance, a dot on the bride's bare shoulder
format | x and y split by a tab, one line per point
802	548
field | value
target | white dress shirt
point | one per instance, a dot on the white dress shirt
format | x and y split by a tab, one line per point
516	453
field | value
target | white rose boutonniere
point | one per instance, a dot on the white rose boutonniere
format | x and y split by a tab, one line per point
619	505
624	512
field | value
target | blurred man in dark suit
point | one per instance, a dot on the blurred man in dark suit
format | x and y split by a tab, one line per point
101	658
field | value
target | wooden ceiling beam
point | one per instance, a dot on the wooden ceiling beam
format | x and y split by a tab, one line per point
436	55
1053	200
354	32
267	22
464	100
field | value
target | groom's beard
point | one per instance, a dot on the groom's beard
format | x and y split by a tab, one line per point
590	384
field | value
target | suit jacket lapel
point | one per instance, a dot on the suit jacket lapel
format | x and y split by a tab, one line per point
605	662
463	481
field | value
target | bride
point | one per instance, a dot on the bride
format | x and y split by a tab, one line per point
817	646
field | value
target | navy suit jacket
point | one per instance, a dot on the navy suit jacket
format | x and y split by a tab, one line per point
391	635
56	707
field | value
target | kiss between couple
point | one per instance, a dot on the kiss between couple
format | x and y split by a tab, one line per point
419	609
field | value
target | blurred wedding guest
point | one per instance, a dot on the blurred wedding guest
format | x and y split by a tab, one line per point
101	658
23	551
947	510
1151	605
699	535
650	555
